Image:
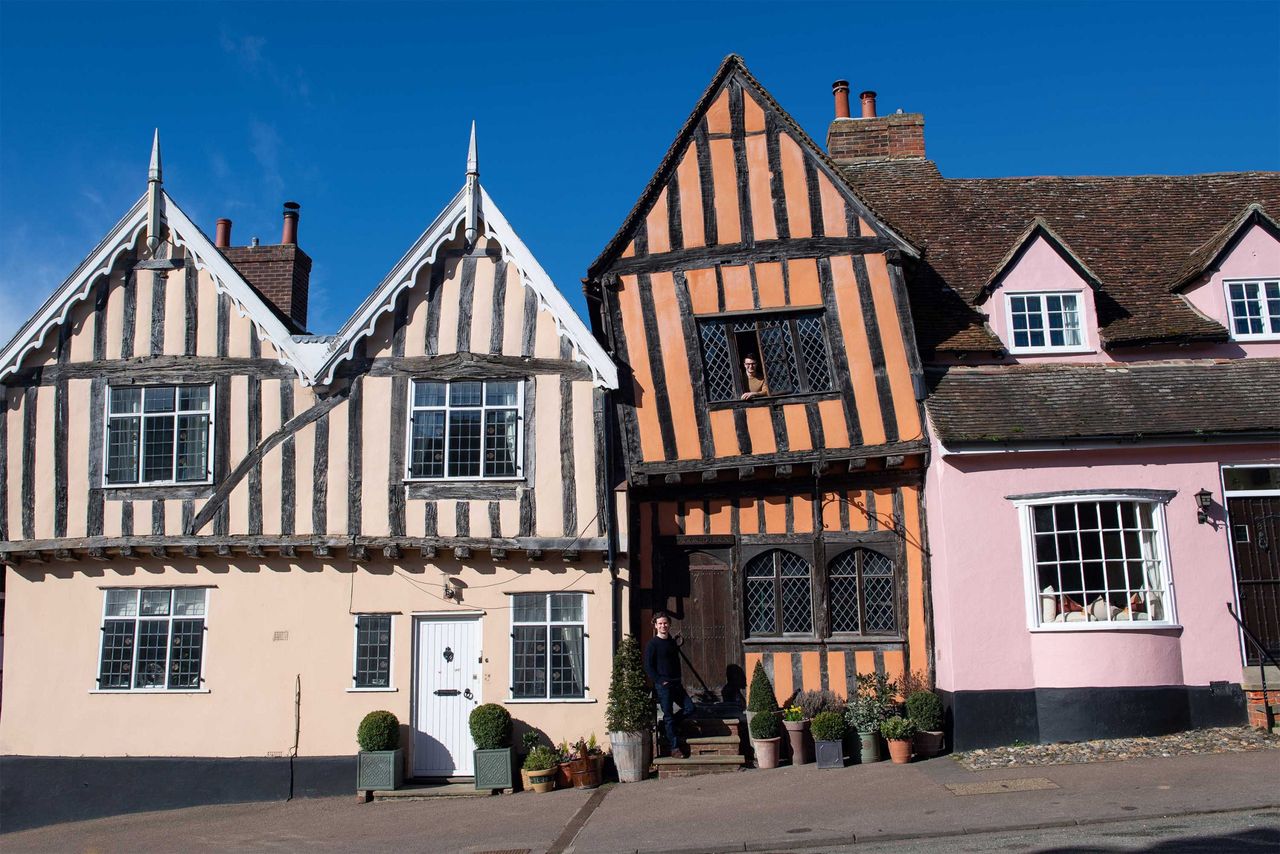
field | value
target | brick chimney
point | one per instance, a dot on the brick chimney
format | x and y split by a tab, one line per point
281	273
870	137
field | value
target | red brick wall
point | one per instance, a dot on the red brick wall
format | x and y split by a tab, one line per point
893	137
282	273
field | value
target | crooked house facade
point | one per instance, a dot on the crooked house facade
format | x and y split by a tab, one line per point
795	355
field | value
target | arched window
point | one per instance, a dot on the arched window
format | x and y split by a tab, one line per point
778	593
863	595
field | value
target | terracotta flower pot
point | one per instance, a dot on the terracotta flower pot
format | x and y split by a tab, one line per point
564	776
798	735
900	750
766	751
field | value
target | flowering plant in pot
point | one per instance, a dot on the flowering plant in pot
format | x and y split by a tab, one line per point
540	768
924	708
797	726
828	739
380	763
898	731
630	715
765	739
491	733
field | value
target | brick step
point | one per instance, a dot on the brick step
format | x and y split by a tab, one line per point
699	727
714	745
698	765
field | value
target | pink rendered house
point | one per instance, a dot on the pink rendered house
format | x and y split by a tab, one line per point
1103	494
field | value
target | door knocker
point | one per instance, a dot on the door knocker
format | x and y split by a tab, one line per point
467	693
448	654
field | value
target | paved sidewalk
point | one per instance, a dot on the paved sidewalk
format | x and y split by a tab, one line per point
782	809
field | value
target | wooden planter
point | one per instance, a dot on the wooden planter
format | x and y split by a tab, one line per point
900	750
830	754
379	770
587	773
630	755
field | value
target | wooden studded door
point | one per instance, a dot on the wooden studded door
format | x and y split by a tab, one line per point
708	625
1255	537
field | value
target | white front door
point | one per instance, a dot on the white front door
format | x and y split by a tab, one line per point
448	688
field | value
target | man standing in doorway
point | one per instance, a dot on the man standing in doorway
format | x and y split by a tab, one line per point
662	663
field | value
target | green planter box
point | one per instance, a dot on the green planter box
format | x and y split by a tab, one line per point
379	769
494	768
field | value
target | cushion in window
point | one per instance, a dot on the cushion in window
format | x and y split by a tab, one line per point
1067	605
1048	605
1101	609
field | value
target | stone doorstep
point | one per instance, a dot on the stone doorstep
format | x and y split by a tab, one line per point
698	765
419	792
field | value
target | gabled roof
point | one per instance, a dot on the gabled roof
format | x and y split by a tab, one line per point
733	65
447	226
1136	233
988	406
181	231
1213	250
1037	230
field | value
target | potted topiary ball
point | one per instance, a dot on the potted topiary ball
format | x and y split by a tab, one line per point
924	708
491	734
899	732
380	762
630	714
828	739
540	768
765	738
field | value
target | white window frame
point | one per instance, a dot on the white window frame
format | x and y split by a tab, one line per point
355	655
138	619
1025	508
548	623
410	477
1260	301
107	417
1029	349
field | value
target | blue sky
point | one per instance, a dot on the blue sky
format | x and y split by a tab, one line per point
360	112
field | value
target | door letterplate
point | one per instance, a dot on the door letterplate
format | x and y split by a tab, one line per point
446	692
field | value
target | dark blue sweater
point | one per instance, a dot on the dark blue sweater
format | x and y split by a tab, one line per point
662	660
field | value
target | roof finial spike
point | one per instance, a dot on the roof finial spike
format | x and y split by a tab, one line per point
153	196
153	174
473	189
473	159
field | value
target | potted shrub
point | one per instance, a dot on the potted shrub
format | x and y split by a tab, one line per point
540	768
924	708
765	739
863	714
898	731
828	739
380	763
587	765
491	733
530	741
760	697
797	726
630	714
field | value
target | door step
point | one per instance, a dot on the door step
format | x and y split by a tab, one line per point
696	766
714	745
423	791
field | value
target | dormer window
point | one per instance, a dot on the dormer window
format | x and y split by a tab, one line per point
1045	321
1254	306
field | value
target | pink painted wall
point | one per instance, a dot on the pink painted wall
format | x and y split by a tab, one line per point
980	593
1040	269
1257	255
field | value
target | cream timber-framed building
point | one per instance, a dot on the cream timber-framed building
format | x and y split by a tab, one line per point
226	540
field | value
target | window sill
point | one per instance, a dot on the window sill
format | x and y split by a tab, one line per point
1260	338
775	399
134	692
373	690
768	641
532	700
1052	351
1108	626
491	489
152	491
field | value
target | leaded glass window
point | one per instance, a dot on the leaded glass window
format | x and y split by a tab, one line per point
465	429
548	632
790	349
159	434
373	651
779	594
152	639
863	593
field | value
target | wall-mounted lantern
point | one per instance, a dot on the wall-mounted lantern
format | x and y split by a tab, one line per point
1204	500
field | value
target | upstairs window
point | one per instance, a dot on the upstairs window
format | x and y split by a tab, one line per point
159	434
1045	321
1254	307
465	430
789	352
152	639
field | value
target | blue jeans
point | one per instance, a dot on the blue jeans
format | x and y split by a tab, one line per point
669	695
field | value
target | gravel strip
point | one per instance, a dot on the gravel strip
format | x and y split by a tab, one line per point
1220	740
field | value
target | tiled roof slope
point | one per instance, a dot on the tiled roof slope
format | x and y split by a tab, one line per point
1029	403
1138	234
